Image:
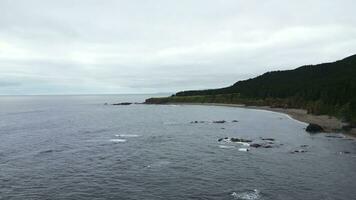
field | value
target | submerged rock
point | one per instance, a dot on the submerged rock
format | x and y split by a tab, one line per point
267	146
314	128
197	122
234	121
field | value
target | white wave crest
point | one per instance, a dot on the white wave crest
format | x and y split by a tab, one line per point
226	147
243	143
117	140
127	135
244	149
249	195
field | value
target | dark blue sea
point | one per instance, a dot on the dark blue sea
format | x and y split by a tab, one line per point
76	147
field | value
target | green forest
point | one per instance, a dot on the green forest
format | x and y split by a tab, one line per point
328	88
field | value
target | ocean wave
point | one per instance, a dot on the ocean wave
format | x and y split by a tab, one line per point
248	195
25	112
117	140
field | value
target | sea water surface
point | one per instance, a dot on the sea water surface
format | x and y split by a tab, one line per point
75	147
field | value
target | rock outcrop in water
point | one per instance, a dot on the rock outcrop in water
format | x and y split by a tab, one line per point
240	140
314	128
247	142
122	104
299	151
219	122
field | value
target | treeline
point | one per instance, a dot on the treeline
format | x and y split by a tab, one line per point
328	88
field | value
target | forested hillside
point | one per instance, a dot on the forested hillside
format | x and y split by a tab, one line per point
328	88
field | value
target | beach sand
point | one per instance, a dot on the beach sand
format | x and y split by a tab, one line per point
329	123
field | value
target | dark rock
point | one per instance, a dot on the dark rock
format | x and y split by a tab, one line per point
219	122
334	136
348	139
221	139
223	128
122	104
239	140
345	152
234	121
267	146
348	127
197	122
299	151
106	104
314	128
255	145
304	145
269	139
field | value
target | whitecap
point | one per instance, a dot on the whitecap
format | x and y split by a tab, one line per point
160	163
243	143
226	147
127	135
117	140
244	149
249	195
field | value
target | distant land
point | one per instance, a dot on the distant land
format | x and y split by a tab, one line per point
323	89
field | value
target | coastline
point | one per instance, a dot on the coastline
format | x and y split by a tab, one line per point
329	123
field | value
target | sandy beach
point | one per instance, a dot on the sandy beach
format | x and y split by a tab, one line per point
329	123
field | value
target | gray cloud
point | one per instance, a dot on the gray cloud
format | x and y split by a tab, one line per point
140	46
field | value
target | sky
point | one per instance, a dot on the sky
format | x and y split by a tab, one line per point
154	46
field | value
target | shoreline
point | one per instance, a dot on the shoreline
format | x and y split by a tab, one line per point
329	123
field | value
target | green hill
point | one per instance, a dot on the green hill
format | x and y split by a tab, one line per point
328	88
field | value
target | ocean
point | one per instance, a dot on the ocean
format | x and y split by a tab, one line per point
76	147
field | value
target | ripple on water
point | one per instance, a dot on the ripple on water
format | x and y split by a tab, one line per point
247	195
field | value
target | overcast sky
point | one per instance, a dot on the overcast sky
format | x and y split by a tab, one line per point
150	46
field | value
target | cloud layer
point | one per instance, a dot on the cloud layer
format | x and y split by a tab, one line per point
144	46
